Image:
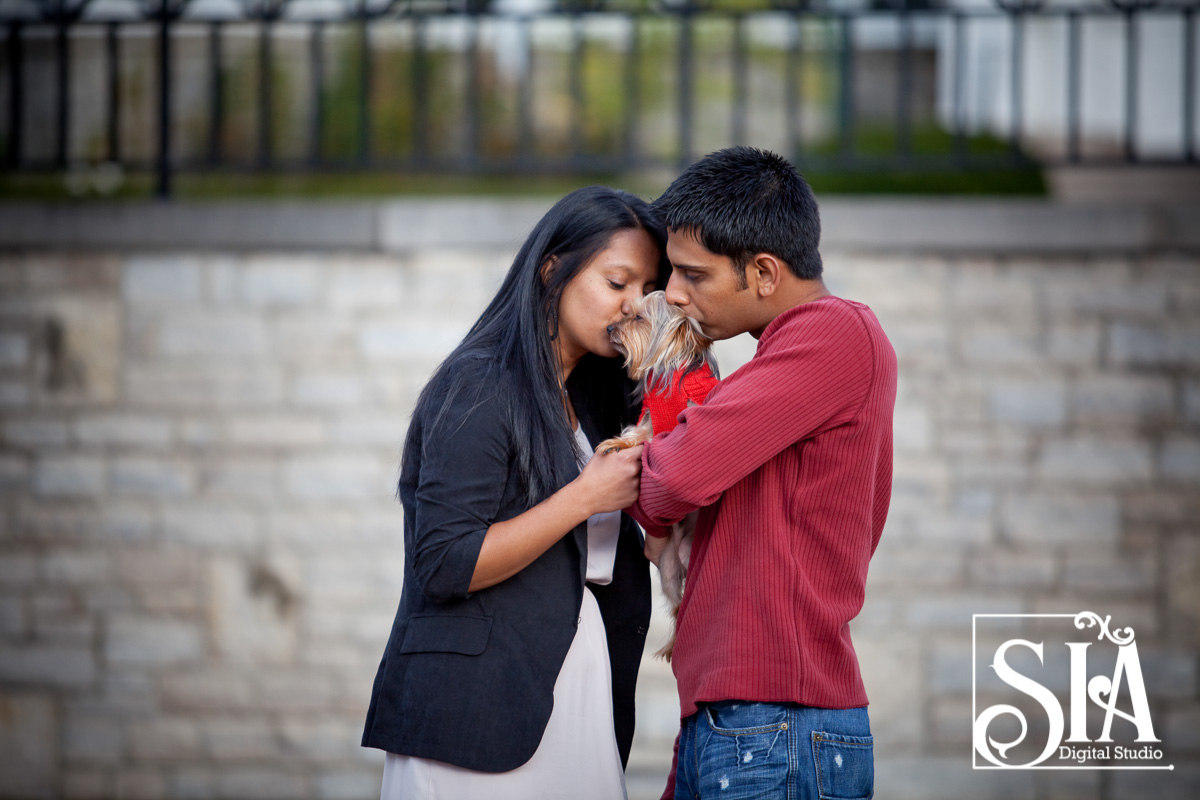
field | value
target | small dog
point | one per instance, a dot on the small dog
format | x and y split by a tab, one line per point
670	358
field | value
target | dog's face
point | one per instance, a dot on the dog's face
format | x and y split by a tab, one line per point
658	339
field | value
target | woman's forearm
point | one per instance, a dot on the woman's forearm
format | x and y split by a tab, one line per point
511	545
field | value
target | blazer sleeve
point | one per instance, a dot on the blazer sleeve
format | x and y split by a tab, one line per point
464	467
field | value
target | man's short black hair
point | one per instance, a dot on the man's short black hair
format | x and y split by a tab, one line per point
741	201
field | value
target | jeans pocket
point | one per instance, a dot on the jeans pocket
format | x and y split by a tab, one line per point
845	766
751	728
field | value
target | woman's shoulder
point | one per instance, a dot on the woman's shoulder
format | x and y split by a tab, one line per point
470	383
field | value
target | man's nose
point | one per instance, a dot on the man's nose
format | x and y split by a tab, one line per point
675	296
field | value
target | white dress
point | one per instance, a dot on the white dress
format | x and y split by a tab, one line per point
578	755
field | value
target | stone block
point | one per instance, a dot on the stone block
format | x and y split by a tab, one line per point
193	783
380	430
1022	402
1073	344
1181	729
123	429
241	477
29	745
69	476
892	676
344	784
240	738
87	784
140	784
164	739
161	279
416	338
14	350
133	640
320	738
12	616
210	527
14	473
1121	398
94	738
1014	569
1148	345
159	565
74	567
951	611
1057	519
86	365
151	477
336	477
1191	402
1181	582
126	522
912	428
364	283
1145	296
35	433
1085	460
18	569
998	346
1169	674
261	783
304	336
1111	573
203	385
897	564
1180	459
72	270
212	335
328	390
205	690
254	609
280	280
1181	783
276	430
13	394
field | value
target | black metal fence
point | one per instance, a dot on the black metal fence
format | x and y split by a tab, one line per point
296	85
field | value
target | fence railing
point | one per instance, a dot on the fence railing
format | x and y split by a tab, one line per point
291	86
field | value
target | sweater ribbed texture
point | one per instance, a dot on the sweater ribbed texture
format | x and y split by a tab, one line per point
790	462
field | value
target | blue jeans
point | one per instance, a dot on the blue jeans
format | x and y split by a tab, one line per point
736	750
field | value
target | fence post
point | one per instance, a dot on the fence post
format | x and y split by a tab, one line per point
162	188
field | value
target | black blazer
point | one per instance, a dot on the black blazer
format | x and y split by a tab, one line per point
467	678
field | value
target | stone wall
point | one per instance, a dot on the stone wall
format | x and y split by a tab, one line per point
200	552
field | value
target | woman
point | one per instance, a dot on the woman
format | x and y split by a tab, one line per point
513	657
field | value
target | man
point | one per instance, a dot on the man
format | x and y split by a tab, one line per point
789	462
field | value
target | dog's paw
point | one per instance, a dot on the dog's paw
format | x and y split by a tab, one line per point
630	437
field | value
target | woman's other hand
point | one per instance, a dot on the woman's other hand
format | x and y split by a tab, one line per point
611	481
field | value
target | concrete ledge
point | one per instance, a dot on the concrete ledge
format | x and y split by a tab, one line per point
864	224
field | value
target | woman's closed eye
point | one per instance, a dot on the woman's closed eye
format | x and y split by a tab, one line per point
620	287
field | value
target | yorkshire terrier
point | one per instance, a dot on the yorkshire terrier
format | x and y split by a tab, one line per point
672	362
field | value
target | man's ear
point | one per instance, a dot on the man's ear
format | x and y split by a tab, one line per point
547	269
763	273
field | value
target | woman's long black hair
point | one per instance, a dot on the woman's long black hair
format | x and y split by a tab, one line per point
514	339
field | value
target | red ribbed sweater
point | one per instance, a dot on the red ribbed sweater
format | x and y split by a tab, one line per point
789	460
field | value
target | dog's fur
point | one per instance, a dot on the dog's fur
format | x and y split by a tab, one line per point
661	345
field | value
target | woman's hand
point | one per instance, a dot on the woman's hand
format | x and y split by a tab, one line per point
611	481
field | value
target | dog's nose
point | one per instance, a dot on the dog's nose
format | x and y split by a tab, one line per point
611	328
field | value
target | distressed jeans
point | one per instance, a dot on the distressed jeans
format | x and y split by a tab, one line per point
737	750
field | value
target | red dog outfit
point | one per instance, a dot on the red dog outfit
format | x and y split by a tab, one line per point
665	405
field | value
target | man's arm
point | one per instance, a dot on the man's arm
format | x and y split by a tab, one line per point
810	377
